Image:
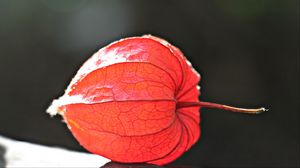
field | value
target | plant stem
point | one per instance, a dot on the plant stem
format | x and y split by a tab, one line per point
221	106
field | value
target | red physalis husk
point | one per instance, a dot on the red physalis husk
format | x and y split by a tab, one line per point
121	104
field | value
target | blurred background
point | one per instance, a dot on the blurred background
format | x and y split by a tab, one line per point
246	51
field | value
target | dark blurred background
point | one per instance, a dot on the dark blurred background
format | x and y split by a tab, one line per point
246	51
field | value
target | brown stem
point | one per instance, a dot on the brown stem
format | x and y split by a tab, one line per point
221	106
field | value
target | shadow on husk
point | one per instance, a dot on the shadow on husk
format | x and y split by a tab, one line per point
138	165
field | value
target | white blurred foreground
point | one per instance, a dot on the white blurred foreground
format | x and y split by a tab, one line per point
24	154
